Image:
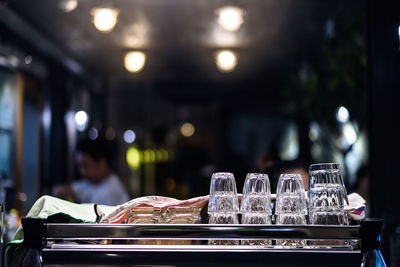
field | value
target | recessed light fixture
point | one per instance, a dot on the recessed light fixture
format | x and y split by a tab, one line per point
230	18
226	60
105	18
134	61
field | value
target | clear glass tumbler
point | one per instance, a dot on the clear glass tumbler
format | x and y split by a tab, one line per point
223	206
256	203
327	195
291	206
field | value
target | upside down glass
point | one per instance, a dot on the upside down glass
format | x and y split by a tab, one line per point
327	195
326	198
291	206
223	206
256	203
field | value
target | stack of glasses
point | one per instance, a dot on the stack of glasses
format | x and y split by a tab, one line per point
291	206
223	206
256	203
327	195
326	198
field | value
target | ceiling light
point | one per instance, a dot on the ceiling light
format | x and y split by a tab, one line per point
134	61
68	5
226	60
230	18
105	19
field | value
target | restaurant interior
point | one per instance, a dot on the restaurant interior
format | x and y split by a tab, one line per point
181	89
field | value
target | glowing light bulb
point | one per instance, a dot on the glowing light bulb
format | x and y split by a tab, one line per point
230	18
105	19
226	60
134	61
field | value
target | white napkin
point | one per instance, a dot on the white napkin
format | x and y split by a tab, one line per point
356	208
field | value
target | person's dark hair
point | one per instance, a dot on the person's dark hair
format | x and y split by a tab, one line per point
281	167
97	149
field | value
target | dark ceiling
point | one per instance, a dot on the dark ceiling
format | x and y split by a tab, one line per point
180	37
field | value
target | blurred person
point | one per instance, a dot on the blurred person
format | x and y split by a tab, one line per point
289	166
267	159
99	183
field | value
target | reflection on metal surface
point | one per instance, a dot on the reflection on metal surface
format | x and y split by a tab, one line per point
198	231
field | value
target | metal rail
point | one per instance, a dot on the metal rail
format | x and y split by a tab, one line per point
56	243
198	231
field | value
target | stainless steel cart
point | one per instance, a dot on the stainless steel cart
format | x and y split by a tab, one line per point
83	244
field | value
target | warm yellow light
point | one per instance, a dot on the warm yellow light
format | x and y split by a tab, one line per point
133	158
158	155
134	61
152	156
164	155
146	156
226	60
230	18
187	129
105	19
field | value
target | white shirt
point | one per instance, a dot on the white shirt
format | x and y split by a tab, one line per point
109	192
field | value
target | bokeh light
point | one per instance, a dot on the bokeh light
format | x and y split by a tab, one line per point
105	19
230	18
187	129
226	60
134	61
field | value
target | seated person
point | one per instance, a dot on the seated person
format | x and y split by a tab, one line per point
99	184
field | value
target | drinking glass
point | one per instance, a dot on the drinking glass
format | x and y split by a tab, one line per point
223	204
291	206
290	194
327	195
256	203
223	194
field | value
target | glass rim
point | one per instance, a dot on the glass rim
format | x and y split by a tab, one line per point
325	166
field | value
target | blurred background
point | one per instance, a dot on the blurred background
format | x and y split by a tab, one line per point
183	89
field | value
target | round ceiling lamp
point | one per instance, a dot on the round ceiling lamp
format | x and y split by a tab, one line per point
230	18
226	60
105	18
134	61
